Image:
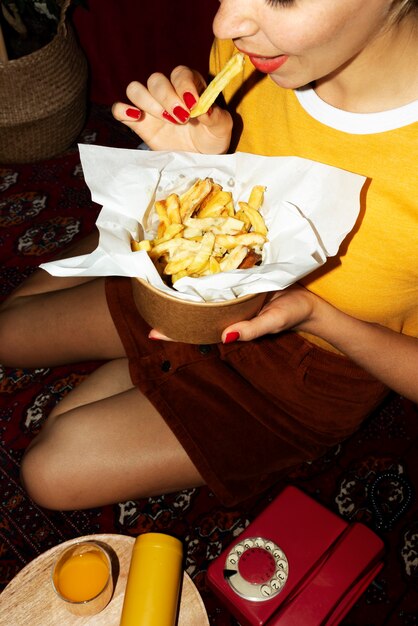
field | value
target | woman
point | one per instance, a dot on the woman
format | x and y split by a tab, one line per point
330	80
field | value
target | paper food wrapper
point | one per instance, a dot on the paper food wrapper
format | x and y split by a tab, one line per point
308	208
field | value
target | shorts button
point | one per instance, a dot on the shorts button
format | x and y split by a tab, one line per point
166	366
204	349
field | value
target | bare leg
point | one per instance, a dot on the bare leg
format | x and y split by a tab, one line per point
105	443
58	327
51	321
40	281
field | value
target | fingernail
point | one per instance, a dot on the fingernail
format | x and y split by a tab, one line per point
189	99
230	337
154	338
209	111
169	117
181	113
133	113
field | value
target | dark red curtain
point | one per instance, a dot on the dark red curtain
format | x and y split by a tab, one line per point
127	40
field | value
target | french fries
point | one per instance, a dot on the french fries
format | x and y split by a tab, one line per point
212	91
200	232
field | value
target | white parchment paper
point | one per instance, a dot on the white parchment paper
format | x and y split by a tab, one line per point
309	208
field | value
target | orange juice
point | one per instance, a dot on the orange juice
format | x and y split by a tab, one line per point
83	576
152	591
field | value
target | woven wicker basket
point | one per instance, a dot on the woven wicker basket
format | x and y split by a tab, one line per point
43	99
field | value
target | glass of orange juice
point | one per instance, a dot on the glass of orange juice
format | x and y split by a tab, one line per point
82	578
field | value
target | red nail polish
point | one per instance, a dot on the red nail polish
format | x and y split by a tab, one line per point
169	117
133	113
230	337
181	113
189	99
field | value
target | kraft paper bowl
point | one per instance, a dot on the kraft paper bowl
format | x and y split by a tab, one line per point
191	322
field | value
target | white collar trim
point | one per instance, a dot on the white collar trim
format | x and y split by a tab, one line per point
356	123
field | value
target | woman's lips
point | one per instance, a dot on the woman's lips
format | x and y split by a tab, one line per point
267	65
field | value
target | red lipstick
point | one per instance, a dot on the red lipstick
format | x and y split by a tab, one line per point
268	65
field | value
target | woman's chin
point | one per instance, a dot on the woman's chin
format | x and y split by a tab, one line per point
289	83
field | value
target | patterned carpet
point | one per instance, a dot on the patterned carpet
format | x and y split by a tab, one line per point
44	207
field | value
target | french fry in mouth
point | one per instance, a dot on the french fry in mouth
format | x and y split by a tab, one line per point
212	91
188	244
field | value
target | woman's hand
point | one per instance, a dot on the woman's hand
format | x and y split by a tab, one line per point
389	356
292	308
160	114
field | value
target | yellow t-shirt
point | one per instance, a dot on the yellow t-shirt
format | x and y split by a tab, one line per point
374	277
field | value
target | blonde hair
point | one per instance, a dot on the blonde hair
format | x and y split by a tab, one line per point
401	8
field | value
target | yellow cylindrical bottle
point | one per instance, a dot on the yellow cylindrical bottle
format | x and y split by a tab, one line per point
153	586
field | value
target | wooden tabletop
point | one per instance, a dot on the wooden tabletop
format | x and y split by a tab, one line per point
29	598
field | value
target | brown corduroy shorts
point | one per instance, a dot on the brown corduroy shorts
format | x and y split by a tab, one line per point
245	412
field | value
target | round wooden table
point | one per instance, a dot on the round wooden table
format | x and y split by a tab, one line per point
29	598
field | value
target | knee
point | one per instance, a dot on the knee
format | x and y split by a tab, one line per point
44	476
39	478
